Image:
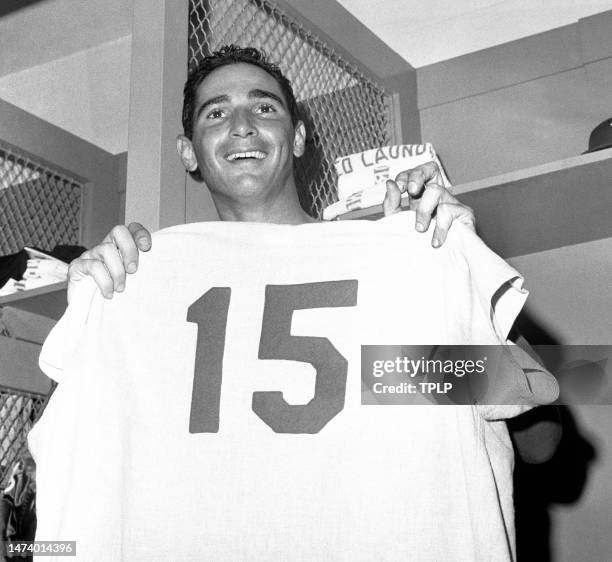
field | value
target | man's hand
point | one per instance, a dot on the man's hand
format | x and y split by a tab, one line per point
109	261
429	198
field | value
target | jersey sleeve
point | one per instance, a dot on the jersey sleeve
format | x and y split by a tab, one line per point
521	383
65	336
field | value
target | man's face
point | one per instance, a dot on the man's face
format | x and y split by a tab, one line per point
243	140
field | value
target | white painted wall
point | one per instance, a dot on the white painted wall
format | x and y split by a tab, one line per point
428	32
520	104
40	31
571	291
570	295
581	531
86	93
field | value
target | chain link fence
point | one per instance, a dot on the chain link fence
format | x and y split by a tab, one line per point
345	111
18	413
39	206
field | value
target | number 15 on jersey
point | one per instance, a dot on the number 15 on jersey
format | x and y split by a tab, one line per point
210	312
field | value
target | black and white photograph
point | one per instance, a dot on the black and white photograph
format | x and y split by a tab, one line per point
306	280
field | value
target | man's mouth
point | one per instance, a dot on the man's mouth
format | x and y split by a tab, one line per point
247	155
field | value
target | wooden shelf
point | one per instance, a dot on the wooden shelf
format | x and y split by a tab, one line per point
19	368
50	300
557	204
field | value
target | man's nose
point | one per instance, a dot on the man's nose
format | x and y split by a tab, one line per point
242	123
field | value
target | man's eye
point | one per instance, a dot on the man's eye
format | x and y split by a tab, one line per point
266	108
214	114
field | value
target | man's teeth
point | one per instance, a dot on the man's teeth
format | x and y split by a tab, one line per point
251	154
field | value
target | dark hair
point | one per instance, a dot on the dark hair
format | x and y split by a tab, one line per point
232	54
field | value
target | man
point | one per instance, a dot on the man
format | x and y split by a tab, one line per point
247	104
314	497
237	102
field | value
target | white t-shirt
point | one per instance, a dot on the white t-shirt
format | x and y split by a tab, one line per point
190	422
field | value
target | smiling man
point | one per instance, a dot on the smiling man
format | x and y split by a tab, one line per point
235	354
244	136
241	132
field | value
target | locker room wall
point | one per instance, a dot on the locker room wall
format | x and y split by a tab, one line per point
570	299
517	105
102	173
520	104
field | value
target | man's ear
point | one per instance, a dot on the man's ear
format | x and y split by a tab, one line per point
184	147
299	139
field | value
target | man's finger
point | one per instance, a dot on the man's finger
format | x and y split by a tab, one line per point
414	181
426	206
108	255
393	199
444	219
123	240
81	268
448	213
141	235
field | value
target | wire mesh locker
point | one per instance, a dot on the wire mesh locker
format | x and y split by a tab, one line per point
39	206
344	110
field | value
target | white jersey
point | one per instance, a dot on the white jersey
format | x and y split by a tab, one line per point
213	410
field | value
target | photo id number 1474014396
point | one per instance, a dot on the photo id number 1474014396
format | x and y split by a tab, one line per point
21	549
